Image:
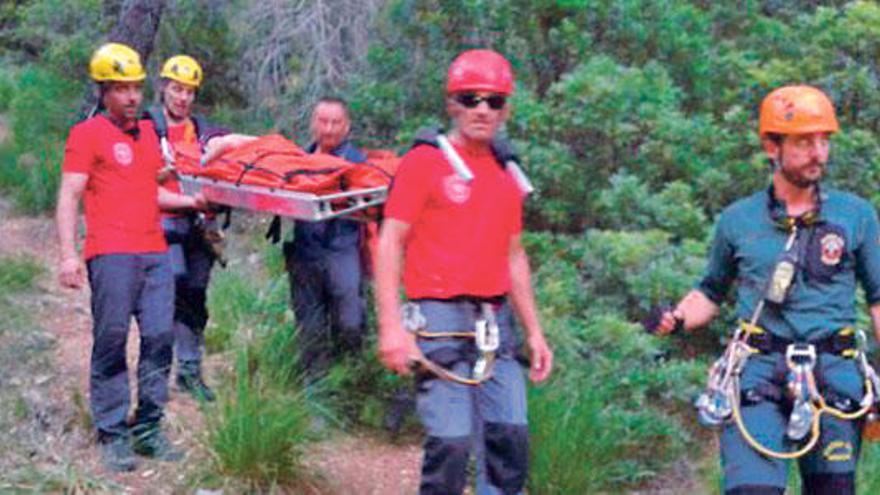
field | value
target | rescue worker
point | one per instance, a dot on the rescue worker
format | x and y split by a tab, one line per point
324	260
191	252
457	245
111	161
824	241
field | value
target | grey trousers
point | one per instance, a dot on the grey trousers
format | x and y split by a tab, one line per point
328	301
126	285
490	419
191	261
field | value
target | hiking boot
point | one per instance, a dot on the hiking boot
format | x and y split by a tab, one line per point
196	387
151	442
117	455
189	380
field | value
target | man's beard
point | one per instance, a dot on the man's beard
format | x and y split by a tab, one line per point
795	178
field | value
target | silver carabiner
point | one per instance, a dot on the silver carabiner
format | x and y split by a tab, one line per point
413	319
486	330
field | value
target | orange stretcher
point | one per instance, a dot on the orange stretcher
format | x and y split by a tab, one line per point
272	174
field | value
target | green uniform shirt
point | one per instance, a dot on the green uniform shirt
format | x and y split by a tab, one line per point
842	247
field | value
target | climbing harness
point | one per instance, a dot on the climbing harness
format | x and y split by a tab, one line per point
486	336
720	402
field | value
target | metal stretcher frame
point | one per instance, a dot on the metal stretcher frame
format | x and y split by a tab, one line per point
294	204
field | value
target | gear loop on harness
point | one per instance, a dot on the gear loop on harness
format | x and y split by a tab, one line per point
485	334
800	359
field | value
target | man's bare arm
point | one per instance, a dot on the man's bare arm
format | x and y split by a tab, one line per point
397	347
523	299
71	272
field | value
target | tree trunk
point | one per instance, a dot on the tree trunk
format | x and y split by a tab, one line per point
137	26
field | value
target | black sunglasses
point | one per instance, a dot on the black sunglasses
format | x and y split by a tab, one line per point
471	100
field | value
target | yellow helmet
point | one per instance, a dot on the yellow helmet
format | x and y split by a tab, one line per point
116	62
183	69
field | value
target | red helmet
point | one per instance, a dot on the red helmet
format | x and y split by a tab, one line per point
480	70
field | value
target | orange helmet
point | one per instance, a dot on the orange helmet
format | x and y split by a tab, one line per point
480	70
797	110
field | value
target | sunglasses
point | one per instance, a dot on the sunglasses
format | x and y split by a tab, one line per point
470	100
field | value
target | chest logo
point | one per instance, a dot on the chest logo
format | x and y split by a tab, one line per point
456	189
122	153
832	248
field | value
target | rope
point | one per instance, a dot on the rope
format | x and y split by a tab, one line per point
815	427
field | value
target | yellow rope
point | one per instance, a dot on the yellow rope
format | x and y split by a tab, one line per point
815	428
740	424
446	374
453	377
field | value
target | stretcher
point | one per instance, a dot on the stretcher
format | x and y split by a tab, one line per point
293	204
273	175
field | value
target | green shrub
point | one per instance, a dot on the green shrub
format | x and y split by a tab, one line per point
42	108
7	87
611	396
360	392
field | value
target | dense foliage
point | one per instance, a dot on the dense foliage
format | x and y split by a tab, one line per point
636	120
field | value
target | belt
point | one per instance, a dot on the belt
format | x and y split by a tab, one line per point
842	342
496	300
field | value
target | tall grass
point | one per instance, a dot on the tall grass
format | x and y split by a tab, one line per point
242	305
18	274
360	392
869	466
612	416
258	431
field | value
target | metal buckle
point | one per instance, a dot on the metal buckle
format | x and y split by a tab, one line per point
800	355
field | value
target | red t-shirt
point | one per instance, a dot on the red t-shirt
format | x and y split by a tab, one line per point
460	233
121	195
178	133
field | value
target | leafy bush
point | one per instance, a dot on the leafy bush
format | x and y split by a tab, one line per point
42	108
7	87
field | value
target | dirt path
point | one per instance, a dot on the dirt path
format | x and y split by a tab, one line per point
347	465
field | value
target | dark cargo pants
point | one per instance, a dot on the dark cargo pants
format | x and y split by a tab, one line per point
191	261
457	416
835	454
126	285
328	302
